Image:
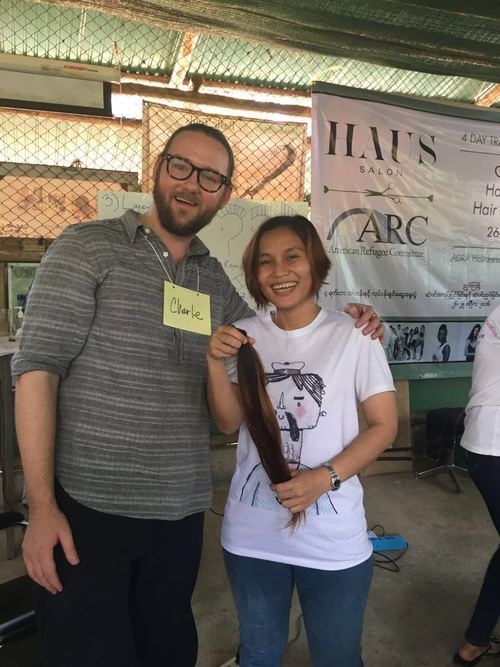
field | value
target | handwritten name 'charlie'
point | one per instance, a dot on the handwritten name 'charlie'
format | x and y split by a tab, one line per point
178	308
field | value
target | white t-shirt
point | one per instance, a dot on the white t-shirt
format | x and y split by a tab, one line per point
316	377
482	419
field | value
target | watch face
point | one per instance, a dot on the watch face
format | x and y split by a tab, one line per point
334	478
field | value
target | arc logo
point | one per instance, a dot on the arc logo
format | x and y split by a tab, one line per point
378	227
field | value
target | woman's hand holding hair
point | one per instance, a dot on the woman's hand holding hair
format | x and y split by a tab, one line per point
225	342
303	489
222	395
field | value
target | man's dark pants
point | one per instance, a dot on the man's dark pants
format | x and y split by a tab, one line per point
128	602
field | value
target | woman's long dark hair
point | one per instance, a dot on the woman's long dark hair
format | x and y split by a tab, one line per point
258	411
260	418
474	332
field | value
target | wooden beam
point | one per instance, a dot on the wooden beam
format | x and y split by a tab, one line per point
127	179
489	97
22	250
184	58
95	120
156	82
197	98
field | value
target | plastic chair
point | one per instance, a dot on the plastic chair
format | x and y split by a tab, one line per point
444	428
19	640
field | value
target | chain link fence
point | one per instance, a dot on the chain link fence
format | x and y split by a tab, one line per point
52	165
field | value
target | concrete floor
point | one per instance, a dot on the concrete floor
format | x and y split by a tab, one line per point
415	617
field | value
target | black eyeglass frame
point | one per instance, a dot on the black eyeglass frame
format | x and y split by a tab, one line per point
167	158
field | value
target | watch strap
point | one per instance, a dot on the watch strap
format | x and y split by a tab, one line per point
335	480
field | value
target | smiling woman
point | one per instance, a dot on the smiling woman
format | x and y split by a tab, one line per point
298	244
299	451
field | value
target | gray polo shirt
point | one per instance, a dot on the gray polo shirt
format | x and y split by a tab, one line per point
132	422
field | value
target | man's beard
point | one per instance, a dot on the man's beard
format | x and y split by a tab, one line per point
170	224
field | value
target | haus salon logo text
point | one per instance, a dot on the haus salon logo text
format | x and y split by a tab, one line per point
384	152
364	143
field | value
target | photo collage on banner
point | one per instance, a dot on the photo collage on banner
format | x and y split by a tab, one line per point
435	341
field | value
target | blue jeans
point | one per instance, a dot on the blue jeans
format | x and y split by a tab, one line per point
333	605
485	473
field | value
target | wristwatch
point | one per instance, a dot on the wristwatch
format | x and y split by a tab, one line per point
334	478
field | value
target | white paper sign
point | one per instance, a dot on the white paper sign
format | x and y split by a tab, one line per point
113	204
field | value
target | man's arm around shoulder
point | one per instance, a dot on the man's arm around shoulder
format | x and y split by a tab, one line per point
36	406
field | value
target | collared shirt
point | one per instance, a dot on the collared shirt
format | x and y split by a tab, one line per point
132	435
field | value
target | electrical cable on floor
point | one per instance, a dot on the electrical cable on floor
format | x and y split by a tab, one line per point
385	562
377	527
298	631
218	513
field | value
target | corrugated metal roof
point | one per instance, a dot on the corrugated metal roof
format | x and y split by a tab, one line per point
456	42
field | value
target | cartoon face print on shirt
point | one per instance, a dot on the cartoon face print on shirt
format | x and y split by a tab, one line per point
297	398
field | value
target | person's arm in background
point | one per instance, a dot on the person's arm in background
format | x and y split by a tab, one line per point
446	352
36	405
366	319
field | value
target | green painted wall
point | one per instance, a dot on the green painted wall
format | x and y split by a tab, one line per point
435	385
444	393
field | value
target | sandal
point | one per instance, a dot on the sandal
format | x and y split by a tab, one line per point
494	643
458	660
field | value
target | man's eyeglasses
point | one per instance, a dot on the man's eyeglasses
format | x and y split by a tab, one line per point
181	169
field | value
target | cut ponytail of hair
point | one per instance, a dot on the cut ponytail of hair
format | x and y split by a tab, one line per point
260	418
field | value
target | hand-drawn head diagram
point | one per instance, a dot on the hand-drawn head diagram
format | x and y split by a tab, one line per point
226	240
297	397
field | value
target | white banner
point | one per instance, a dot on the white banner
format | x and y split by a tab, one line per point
408	205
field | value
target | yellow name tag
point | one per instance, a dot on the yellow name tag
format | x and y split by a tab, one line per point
187	310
